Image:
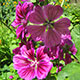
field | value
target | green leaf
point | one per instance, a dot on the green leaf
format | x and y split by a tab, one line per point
5	68
75	33
53	70
11	67
12	47
71	71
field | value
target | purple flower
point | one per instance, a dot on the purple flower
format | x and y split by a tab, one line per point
66	41
11	77
30	67
47	29
22	14
66	46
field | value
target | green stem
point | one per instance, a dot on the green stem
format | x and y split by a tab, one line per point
22	41
45	2
58	65
71	28
62	3
75	58
37	1
6	75
6	26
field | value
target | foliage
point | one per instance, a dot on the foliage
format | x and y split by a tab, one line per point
7	10
70	71
8	43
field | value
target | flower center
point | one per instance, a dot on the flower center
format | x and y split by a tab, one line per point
49	24
35	63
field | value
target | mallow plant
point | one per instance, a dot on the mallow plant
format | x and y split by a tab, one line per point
41	26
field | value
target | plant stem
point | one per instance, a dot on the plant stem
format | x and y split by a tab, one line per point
58	65
45	2
76	59
37	2
7	26
62	3
22	41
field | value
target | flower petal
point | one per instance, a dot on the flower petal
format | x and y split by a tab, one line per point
16	22
51	38
62	26
65	39
61	54
27	53
37	16
54	52
16	50
43	68
26	7
20	62
19	12
36	31
53	12
27	73
19	31
68	58
41	55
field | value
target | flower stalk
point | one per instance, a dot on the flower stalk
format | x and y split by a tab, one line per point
62	3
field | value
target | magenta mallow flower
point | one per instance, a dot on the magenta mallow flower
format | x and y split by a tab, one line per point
65	48
22	14
47	28
68	44
11	77
30	67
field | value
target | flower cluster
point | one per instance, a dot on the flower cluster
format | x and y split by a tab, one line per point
22	13
35	24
